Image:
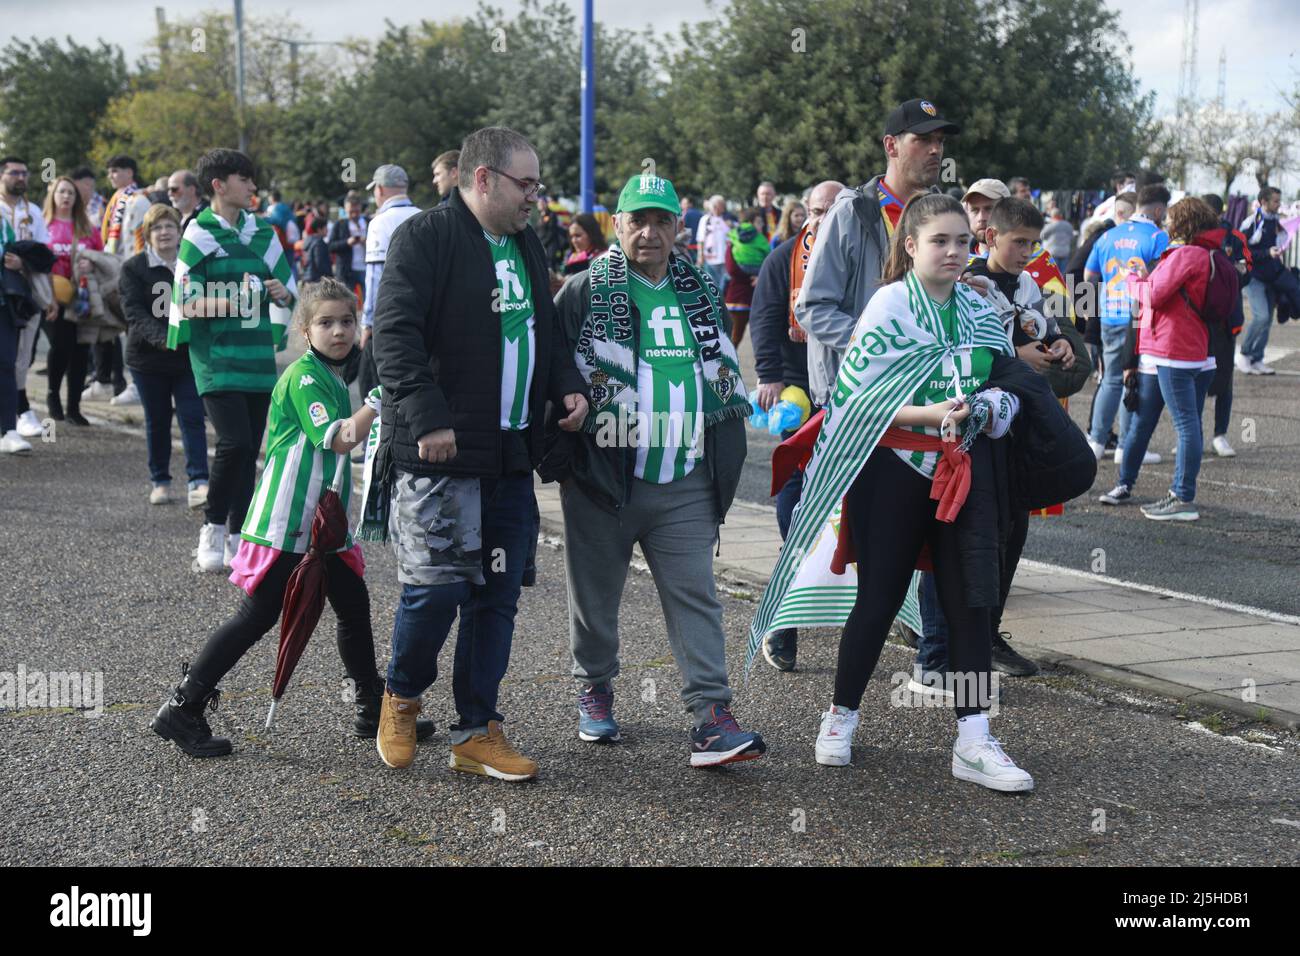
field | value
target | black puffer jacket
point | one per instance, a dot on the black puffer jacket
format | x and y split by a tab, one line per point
437	343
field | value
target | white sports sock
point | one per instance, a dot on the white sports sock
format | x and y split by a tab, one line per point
972	728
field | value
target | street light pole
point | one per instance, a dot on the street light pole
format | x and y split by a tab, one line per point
239	75
588	108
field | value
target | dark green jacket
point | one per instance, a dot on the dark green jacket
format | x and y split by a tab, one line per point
606	474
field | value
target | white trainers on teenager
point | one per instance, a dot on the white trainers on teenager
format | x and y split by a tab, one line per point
211	552
128	396
12	443
1243	363
1222	448
97	392
232	549
983	761
1097	449
1259	368
29	426
835	739
197	496
160	495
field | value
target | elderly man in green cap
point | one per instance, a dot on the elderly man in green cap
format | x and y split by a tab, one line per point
656	464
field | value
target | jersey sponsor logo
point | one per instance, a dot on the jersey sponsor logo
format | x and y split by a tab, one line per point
317	413
511	287
664	321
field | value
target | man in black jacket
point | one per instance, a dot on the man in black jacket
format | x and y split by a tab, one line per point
468	352
347	242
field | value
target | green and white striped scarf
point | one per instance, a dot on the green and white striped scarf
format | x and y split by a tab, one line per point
899	341
204	236
606	351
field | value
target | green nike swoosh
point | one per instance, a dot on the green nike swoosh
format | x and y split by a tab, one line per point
977	765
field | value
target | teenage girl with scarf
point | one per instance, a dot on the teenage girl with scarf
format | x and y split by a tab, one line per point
311	435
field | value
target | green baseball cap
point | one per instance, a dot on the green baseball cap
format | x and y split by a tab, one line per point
648	192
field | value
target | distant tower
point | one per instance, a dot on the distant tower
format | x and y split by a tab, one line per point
1221	95
1187	69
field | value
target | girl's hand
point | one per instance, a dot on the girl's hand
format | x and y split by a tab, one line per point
948	415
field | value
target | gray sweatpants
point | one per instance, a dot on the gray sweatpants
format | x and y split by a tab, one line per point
676	525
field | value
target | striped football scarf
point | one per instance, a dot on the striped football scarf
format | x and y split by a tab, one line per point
207	233
899	341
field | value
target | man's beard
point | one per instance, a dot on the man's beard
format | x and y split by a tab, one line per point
17	190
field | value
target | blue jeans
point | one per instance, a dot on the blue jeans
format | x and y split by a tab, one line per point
1111	391
788	497
932	642
1254	338
156	395
1183	390
487	611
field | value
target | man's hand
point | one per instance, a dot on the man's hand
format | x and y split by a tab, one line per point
1275	252
12	261
52	311
276	290
1128	374
438	446
769	394
1062	351
355	240
1035	356
365	336
575	404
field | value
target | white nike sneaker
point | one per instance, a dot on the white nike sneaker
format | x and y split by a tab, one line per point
983	761
835	740
1222	448
29	426
128	396
1097	449
97	392
211	550
1259	368
1243	363
12	443
232	548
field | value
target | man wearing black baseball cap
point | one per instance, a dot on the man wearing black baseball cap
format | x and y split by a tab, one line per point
853	240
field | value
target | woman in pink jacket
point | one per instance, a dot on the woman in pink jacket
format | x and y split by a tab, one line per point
1173	363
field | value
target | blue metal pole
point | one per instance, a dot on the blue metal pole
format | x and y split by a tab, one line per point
588	108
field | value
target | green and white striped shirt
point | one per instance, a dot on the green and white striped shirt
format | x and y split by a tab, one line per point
308	407
518	338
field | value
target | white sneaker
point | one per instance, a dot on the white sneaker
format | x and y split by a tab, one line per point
128	396
937	692
232	548
835	739
1244	364
983	761
1259	368
98	392
12	443
212	546
1098	450
1222	448
1150	458
160	495
197	497
29	426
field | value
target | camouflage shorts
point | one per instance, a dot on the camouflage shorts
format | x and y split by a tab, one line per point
435	525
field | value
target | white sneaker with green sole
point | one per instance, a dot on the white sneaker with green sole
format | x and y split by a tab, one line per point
983	761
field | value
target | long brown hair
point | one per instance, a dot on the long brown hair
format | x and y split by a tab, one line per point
918	211
81	226
784	230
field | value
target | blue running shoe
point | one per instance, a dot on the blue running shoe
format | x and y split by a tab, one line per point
596	722
780	648
720	740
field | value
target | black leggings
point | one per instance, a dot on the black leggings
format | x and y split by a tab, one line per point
891	517
66	357
239	419
260	611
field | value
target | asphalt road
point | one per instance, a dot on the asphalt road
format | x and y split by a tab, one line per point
97	580
1245	548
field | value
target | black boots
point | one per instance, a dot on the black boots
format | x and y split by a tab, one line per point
181	719
55	405
370	698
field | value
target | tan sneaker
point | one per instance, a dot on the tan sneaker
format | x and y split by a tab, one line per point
396	738
490	754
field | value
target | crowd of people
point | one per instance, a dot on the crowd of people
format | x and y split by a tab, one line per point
933	338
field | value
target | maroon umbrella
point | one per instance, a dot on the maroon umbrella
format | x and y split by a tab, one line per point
304	595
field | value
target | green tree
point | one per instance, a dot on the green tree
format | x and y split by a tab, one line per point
51	96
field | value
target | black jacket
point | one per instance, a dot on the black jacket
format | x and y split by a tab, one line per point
437	343
317	253
606	474
146	293
339	235
776	357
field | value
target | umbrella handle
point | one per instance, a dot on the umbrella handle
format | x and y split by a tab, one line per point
270	714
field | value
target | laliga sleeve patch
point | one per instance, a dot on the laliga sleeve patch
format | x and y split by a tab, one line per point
316	412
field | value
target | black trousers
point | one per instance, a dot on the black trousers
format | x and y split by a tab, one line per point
66	358
260	611
891	517
239	419
109	366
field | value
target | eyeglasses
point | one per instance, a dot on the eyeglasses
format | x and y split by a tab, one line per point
19	173
530	187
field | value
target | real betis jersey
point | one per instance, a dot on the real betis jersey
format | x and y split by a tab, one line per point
670	386
967	371
518	338
308	406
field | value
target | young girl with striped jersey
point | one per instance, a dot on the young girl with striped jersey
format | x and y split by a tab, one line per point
311	435
887	451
